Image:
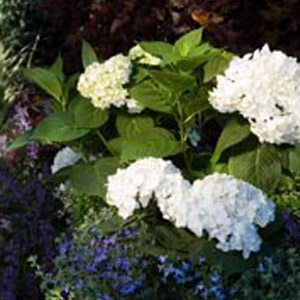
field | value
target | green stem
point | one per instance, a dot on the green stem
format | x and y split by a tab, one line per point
104	141
63	105
182	132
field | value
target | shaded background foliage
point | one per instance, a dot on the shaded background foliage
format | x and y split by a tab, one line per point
113	26
29	224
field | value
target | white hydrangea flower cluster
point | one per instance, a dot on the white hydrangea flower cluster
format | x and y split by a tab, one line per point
103	83
264	87
66	157
133	188
143	57
229	209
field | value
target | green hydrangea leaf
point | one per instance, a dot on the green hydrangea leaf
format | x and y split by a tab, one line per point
234	132
157	142
88	55
162	50
88	116
90	179
194	102
188	42
259	166
174	81
230	262
151	96
57	68
58	127
294	159
21	141
46	80
216	66
130	125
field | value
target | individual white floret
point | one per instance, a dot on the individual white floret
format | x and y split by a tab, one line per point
66	157
263	87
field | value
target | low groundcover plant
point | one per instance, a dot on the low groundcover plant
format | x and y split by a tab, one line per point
186	135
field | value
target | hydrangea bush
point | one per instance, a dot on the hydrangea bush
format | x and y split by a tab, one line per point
180	135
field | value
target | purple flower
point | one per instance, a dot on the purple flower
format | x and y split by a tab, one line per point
21	118
109	275
122	263
100	256
104	297
33	151
27	211
292	227
216	277
79	285
162	259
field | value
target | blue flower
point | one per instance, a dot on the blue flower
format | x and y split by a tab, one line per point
122	263
79	285
216	277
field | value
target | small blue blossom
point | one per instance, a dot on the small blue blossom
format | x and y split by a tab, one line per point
79	285
216	277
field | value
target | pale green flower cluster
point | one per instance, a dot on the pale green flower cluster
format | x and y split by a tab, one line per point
104	83
263	87
228	209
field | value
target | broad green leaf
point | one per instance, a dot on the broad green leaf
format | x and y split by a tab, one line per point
284	153
188	42
203	48
83	179
70	86
139	74
230	262
115	145
22	140
91	179
174	81
58	127
294	159
88	116
46	80
191	63
129	125
156	142
157	48
104	167
111	225
194	102
260	167
215	66
236	131
161	49
57	68
173	238
149	95
88	54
